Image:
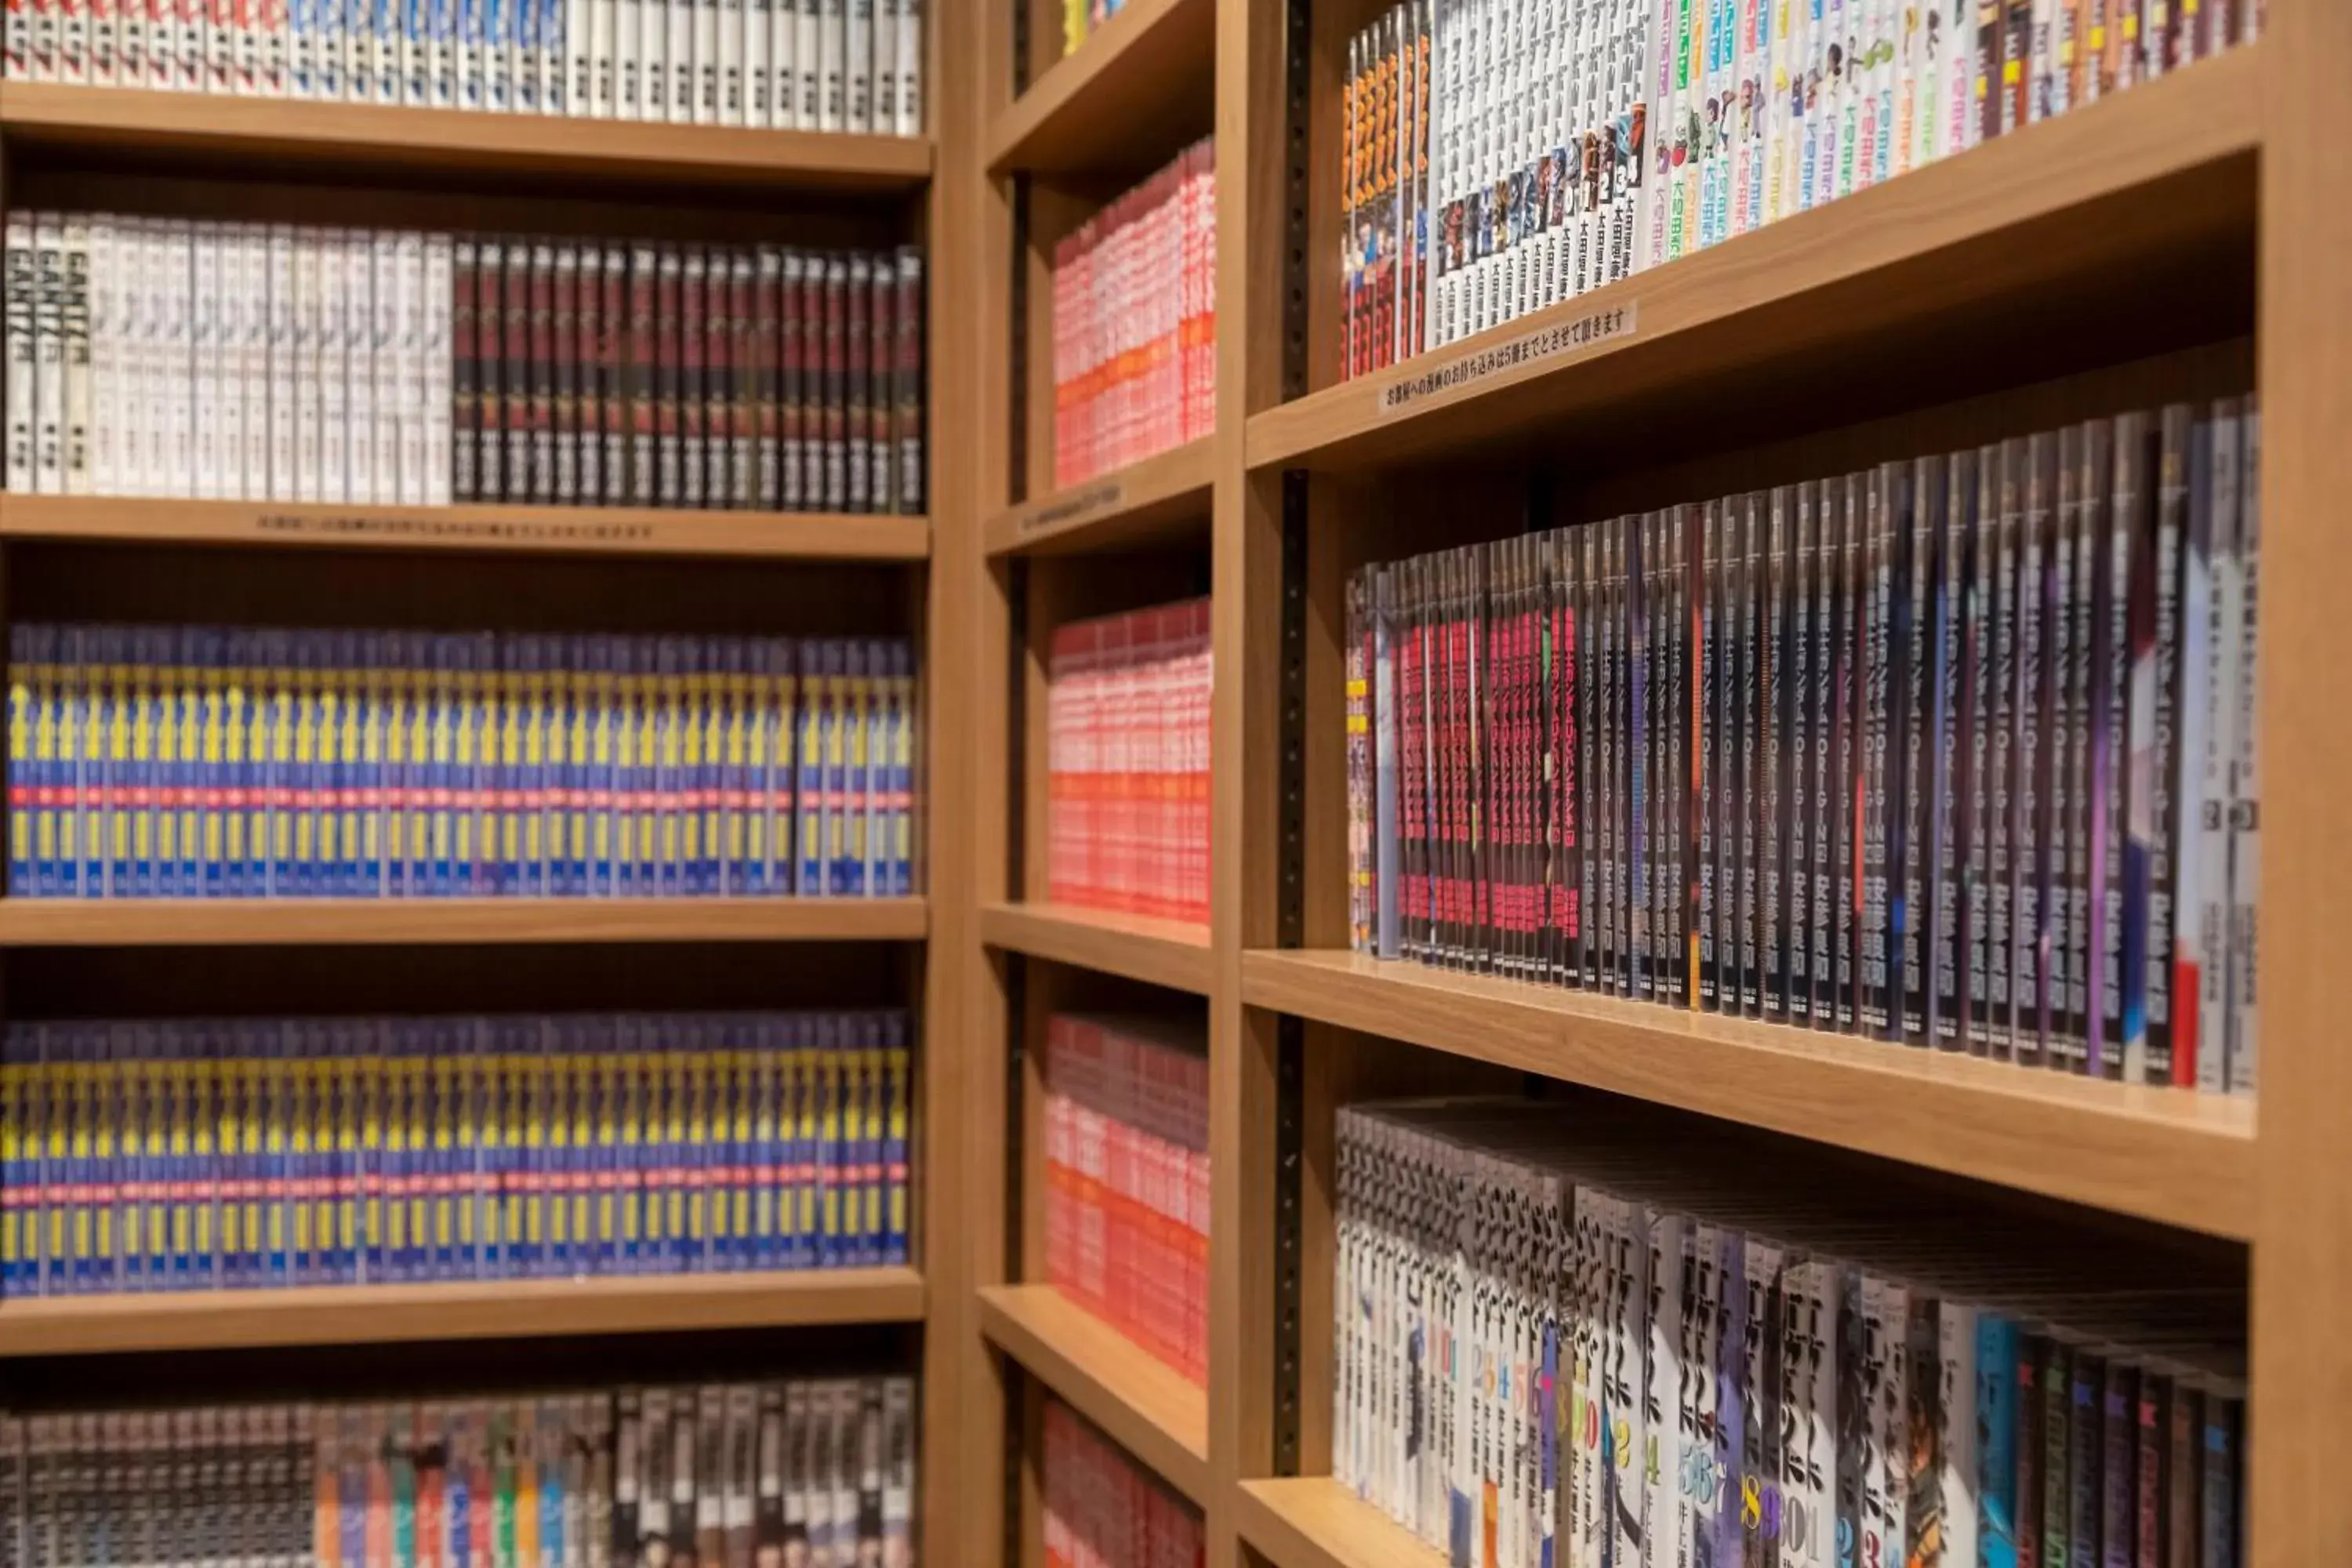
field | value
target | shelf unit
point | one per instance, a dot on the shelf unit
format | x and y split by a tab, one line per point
1153	1413
74	146
2174	241
509	1309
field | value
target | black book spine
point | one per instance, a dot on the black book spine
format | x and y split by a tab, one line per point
908	423
1879	646
518	374
1748	689
643	375
489	354
541	325
1708	642
465	372
1771	758
1801	802
693	339
565	331
588	390
669	366
882	383
857	348
1922	534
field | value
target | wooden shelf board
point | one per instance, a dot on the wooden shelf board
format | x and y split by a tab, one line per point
1311	1521
231	922
1116	100
1174	953
383	1314
121	121
2163	1154
1151	1410
501	529
2149	183
1163	495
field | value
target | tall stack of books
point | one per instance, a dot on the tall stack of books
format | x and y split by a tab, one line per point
1103	1508
1127	1178
1497	160
798	66
723	1473
243	1153
275	361
1127	761
202	761
1958	751
1563	1334
1135	323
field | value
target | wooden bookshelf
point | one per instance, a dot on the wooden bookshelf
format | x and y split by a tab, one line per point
1174	953
1161	498
2171	1155
497	530
2159	181
492	1308
306	922
428	143
1310	1522
1152	1411
1119	99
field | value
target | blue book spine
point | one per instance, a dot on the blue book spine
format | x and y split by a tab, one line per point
416	32
73	746
634	1086
195	680
243	808
275	1045
902	772
1996	1404
666	779
900	1067
813	717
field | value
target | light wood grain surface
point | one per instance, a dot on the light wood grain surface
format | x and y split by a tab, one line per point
1119	100
1160	953
1308	1521
1165	495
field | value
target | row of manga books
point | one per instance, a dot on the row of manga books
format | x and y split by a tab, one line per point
726	1475
247	1153
1135	323
1502	155
272	361
852	65
1127	1178
1127	762
1564	1338
1958	751
1104	1510
207	761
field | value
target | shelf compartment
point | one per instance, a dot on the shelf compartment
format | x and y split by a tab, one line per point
2162	1155
1976	260
473	529
1117	101
501	1309
1151	1410
116	121
232	923
1311	1521
1174	953
1160	498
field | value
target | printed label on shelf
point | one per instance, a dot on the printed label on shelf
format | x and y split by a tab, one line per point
1565	337
517	530
1071	508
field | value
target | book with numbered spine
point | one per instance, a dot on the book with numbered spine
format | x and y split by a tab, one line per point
2015	678
255	1153
202	761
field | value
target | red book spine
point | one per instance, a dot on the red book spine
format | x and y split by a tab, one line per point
693	346
589	388
541	326
514	420
835	406
881	380
745	353
464	460
565	331
857	358
767	336
489	346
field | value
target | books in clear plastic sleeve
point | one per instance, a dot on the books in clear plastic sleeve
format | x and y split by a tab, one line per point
240	763
1951	752
269	1153
1100	1506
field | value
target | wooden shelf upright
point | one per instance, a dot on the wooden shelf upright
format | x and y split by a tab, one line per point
2165	244
76	147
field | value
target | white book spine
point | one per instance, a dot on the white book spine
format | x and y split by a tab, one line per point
680	105
555	48
783	66
48	386
228	354
16	41
391	371
529	53
416	67
501	40
732	50
628	51
653	58
270	48
408	291
163	360
177	367
390	51
73	310
759	19
436	350
710	69
473	25
204	354
280	349
254	243
130	43
327	48
219	54
105	352
580	60
361	387
907	110
131	316
602	99
44	24
73	41
301	48
441	54
831	64
2246	794
357	25
857	66
245	33
310	304
808	51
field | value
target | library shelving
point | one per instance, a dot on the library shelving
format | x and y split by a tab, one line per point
545	530
2176	241
506	1309
1153	1411
86	559
185	127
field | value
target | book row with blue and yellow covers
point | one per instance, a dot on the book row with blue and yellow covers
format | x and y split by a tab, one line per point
247	1153
815	1472
207	761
